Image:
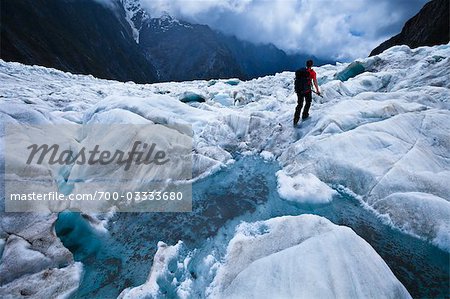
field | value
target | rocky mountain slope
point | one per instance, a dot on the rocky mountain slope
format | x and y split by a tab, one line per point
428	28
82	36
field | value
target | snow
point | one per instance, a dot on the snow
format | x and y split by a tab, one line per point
267	155
381	134
135	16
303	188
317	259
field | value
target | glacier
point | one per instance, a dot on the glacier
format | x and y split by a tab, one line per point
263	262
380	133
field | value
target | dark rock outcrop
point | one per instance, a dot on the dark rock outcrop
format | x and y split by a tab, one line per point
82	37
427	28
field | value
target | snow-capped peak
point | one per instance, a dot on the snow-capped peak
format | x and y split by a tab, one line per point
166	22
135	16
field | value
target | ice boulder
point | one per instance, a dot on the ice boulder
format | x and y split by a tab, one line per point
189	96
303	188
303	256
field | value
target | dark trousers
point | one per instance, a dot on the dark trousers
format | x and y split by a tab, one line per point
301	97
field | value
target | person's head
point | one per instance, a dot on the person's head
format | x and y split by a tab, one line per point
309	63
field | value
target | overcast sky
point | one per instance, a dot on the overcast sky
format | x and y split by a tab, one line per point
337	29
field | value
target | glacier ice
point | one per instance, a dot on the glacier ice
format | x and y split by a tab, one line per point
353	69
421	214
303	256
48	283
188	96
161	266
317	259
303	188
382	134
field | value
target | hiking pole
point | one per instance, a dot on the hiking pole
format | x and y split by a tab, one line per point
317	94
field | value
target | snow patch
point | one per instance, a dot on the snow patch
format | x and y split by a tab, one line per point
303	188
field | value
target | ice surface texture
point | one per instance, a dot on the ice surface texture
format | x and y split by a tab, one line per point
303	188
303	256
316	259
383	134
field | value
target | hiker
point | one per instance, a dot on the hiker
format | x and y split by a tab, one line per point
303	89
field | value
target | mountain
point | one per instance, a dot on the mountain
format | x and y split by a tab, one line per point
429	27
183	51
257	60
82	36
135	16
118	39
186	51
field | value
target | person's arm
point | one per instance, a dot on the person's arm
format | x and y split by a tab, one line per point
314	79
316	85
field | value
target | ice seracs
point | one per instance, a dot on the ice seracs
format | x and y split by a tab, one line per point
302	257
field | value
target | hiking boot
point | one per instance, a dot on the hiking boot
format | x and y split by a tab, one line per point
305	116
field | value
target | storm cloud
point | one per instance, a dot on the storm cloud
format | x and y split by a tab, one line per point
336	29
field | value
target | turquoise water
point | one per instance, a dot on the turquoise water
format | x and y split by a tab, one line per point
245	190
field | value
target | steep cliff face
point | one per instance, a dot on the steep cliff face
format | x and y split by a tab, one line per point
82	37
428	28
183	51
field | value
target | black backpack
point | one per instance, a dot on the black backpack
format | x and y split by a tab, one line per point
302	81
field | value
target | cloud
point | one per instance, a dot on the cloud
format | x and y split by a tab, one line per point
338	29
112	4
